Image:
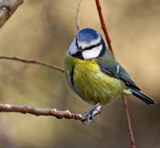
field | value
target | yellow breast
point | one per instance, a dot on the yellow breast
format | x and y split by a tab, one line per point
91	83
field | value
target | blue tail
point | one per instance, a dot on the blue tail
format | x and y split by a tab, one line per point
142	96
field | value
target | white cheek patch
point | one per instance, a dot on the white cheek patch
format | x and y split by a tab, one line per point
92	53
84	45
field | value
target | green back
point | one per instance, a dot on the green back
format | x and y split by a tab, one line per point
110	66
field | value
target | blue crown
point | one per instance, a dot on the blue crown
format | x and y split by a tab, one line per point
87	35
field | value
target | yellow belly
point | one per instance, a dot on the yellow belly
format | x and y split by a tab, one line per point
93	85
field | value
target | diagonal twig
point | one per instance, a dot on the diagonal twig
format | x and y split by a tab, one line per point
123	97
104	26
128	121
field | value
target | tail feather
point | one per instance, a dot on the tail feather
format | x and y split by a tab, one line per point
142	96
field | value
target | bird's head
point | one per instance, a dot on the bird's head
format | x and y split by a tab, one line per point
88	44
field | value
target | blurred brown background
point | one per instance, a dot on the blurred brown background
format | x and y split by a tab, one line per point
44	30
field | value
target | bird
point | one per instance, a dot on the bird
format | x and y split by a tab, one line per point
95	75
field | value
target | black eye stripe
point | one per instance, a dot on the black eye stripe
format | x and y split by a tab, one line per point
88	48
93	46
78	54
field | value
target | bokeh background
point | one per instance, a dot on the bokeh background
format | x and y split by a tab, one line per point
43	30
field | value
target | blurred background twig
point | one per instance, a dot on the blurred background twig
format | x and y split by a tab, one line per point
7	8
77	16
33	62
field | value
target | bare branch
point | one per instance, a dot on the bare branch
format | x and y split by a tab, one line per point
45	112
7	8
128	121
32	62
123	97
77	16
104	26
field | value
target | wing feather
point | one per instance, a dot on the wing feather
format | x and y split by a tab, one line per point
109	65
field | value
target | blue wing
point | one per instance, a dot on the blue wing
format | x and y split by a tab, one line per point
119	72
109	65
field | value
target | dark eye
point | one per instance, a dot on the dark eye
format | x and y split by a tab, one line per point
78	55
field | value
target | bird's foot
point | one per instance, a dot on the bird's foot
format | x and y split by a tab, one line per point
90	114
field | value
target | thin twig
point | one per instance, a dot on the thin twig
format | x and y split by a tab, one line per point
7	8
77	16
123	97
45	112
128	121
104	26
33	62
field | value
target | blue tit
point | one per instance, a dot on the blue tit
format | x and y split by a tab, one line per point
94	74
